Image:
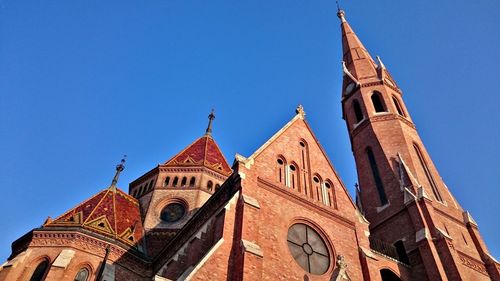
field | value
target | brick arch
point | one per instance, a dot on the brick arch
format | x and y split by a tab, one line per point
317	186
387	274
33	264
164	202
294	182
281	169
81	265
333	198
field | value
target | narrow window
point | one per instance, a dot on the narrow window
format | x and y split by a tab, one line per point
428	174
398	106
210	185
465	240
184	181
327	191
176	180
376	177
40	271
281	170
192	181
167	181
217	186
317	183
357	111
82	275
141	191
304	150
400	249
293	176
303	154
378	104
150	186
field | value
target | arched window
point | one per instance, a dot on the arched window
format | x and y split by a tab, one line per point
210	185
400	249
398	106
357	111
176	180
317	187
428	174
217	186
192	181
304	151
378	104
141	191
280	170
184	181
40	271
167	181
150	186
82	275
376	177
327	194
293	176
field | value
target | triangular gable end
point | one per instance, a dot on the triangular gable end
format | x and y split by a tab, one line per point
300	117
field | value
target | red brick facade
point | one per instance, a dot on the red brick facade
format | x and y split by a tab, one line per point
282	213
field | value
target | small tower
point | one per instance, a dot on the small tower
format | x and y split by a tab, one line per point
173	191
399	186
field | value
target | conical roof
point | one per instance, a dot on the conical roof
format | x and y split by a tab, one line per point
202	152
111	212
357	59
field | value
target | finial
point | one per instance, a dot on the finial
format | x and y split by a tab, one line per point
211	118
300	111
340	13
119	168
380	63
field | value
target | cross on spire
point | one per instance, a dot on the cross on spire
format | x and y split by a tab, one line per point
119	168
211	117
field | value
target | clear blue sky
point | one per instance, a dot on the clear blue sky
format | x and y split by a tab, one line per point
83	82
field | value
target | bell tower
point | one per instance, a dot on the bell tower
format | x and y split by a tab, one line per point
400	192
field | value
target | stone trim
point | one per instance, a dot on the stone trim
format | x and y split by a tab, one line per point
64	258
472	263
251	248
250	201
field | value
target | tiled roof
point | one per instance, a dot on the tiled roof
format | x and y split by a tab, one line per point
111	212
202	152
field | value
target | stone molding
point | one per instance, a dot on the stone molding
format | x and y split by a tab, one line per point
472	263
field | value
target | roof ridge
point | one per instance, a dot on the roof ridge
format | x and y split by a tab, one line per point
96	205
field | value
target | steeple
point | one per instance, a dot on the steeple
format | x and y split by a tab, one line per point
119	168
211	118
357	60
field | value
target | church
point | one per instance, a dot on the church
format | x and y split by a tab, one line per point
282	213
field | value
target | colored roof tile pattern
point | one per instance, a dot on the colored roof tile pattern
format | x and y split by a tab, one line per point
110	212
202	152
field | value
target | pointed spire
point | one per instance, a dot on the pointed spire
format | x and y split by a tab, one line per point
357	59
119	168
211	118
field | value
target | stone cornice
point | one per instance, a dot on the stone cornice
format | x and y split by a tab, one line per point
472	263
444	214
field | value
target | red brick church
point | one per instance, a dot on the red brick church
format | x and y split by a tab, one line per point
281	213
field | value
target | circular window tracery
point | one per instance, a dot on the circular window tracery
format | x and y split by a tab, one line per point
308	249
173	212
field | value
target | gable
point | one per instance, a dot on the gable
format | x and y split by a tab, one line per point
312	172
